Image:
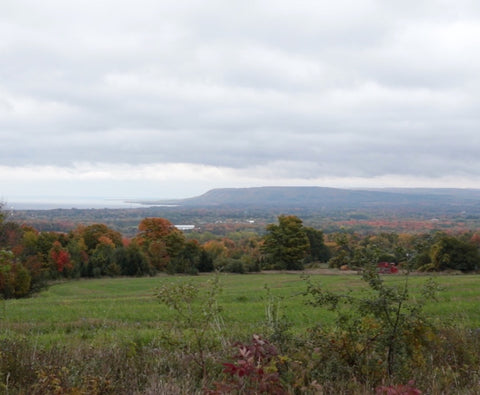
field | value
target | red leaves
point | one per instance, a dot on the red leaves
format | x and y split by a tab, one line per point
60	257
253	371
400	389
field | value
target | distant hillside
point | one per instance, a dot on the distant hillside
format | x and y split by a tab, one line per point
330	209
330	198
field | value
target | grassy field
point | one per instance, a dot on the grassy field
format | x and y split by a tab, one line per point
114	336
106	308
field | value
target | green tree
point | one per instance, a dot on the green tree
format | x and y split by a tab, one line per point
452	253
97	233
318	251
23	281
45	241
346	245
15	279
78	253
101	261
205	263
132	260
187	260
286	244
7	276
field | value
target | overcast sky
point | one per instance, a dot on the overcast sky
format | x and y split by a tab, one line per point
149	98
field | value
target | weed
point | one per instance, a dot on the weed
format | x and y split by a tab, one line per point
198	319
399	389
253	370
277	324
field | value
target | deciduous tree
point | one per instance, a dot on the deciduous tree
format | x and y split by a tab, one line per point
160	240
286	244
452	253
98	233
318	251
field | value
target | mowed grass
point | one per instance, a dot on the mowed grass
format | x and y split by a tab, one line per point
124	308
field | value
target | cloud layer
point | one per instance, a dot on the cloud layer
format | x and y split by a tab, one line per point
189	95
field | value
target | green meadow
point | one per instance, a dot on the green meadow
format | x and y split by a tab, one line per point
116	336
109	308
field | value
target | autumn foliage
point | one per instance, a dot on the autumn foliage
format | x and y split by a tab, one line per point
97	250
60	257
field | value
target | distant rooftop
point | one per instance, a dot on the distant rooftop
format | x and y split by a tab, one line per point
185	227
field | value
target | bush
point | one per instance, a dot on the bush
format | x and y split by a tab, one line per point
376	335
23	281
15	279
233	266
252	371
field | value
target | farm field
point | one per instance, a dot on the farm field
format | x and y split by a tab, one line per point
116	336
99	309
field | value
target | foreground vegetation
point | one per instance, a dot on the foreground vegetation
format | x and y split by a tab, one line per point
180	335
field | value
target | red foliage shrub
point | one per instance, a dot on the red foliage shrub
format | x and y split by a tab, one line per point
400	389
253	371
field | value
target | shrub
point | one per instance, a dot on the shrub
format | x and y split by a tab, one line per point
376	335
23	281
15	279
407	389
252	371
197	319
233	266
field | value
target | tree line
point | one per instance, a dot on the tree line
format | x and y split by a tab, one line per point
29	259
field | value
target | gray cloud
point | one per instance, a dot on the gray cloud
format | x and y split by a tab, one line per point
343	89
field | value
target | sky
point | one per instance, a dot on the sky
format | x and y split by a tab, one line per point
168	99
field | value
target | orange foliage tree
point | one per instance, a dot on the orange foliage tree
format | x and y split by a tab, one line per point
160	240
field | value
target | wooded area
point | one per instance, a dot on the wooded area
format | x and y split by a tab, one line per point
30	258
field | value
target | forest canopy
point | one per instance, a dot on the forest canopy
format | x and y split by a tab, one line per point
30	258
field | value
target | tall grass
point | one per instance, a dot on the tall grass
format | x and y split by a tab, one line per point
114	336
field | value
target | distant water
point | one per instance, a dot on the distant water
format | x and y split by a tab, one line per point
47	204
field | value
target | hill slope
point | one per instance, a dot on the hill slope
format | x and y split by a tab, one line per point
330	198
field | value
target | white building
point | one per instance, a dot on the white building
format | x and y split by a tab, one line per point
185	227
